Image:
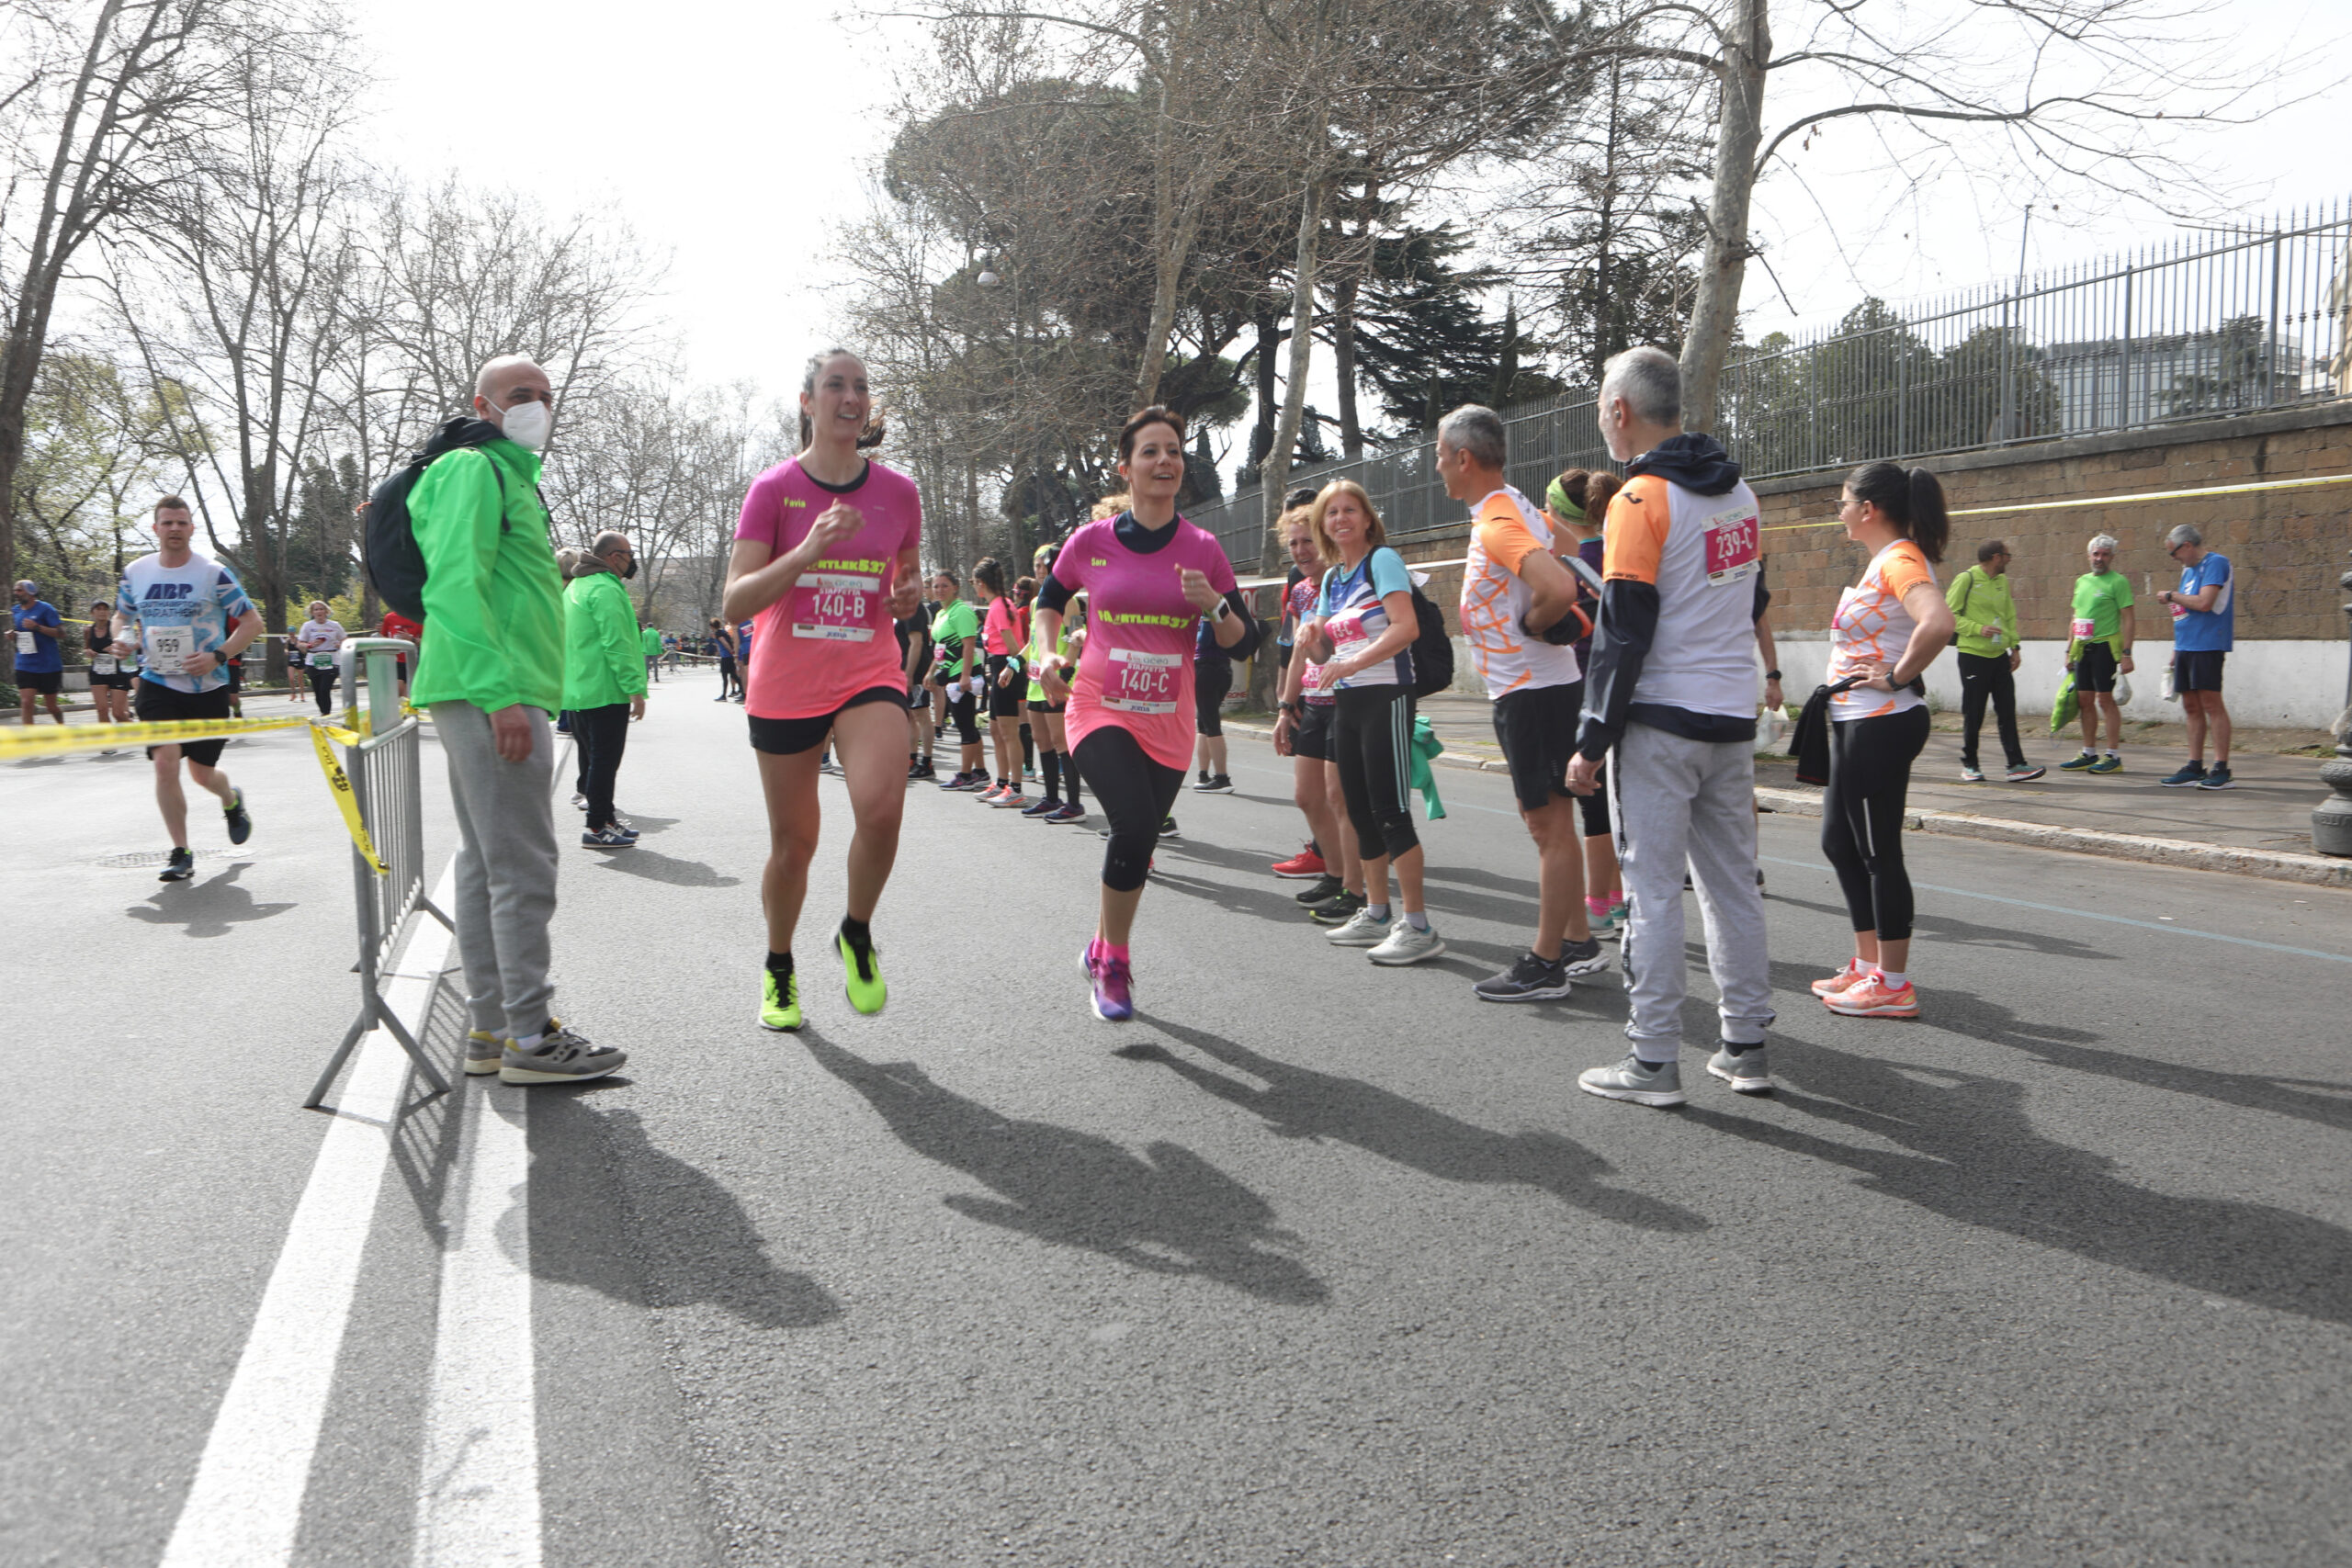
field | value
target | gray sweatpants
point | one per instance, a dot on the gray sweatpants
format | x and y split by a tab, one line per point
1679	801
506	865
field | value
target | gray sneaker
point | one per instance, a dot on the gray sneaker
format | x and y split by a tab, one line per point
1644	1083
561	1056
1406	943
1362	930
1586	957
1745	1072
484	1050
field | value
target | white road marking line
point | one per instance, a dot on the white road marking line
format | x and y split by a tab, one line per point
245	1505
478	1503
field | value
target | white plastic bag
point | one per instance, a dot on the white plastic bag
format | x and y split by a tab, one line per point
1772	731
2123	691
2165	684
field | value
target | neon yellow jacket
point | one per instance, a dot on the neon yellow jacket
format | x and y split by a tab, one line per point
494	594
604	662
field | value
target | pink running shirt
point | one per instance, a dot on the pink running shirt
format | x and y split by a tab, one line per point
830	637
1137	671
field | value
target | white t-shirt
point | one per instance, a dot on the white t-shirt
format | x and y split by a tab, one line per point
179	610
319	640
1505	531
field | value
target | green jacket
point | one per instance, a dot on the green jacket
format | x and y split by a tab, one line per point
650	643
1981	603
494	595
604	662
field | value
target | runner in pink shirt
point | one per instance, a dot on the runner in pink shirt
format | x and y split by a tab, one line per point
1149	577
822	540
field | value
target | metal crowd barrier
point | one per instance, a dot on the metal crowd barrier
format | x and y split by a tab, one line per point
387	783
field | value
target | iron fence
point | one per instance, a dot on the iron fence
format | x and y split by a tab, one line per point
2225	322
385	768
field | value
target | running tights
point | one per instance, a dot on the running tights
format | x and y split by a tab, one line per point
963	711
1861	816
1371	741
322	682
1136	794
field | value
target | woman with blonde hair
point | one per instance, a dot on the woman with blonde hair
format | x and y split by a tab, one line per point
1363	630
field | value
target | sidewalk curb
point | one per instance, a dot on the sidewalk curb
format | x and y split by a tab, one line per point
2276	865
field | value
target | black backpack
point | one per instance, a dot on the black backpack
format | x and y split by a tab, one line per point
388	546
1432	649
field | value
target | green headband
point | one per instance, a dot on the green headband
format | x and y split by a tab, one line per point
1556	497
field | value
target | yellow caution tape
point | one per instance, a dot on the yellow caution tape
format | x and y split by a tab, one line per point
2110	499
339	786
42	741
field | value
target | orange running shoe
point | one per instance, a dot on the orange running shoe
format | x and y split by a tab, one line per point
1873	999
1850	976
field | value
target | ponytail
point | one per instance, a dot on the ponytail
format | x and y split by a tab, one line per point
1913	502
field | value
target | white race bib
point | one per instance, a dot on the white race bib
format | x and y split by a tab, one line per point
2084	627
323	661
102	664
168	648
1143	682
25	643
835	606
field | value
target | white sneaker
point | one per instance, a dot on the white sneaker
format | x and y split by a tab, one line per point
1406	943
1362	930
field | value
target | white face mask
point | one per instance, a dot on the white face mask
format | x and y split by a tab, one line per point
527	425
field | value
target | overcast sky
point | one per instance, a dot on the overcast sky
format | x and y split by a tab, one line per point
729	135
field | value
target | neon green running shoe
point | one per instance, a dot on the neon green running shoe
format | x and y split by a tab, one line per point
780	1005
862	981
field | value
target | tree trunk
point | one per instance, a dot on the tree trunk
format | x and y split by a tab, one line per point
1343	362
1714	313
1276	475
1261	438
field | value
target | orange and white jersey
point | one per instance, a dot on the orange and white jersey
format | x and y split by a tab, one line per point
1872	626
1504	532
1701	553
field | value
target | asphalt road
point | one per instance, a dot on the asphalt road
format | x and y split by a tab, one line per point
1313	1263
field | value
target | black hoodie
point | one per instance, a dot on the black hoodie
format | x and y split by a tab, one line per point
1621	641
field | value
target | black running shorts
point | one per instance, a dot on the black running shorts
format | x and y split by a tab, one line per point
790	736
155	702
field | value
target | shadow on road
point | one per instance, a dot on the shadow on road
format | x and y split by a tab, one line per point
1974	1156
612	1210
206	908
655	866
1301	1103
1164	1210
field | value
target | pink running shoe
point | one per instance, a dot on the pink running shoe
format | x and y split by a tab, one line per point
1113	1000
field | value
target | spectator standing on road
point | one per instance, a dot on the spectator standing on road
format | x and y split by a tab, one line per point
912	628
2098	651
603	680
955	637
2204	629
1212	678
1576	503
40	667
395	625
1887	630
490	670
1984	615
1519	617
186	618
315	642
1303	733
723	637
1002	642
650	640
1672	690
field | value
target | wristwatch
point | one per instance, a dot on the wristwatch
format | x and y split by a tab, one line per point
1771	674
1292	709
1221	611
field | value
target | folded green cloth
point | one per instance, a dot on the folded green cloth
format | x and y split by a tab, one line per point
1426	746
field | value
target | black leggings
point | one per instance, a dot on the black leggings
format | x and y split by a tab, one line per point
1372	740
322	686
963	710
1136	794
1861	816
1212	678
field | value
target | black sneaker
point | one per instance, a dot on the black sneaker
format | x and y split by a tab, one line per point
1168	829
1216	784
2218	779
1529	980
1321	890
2191	774
180	867
1586	957
1339	911
241	823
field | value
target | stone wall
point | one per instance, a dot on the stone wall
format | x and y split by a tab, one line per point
2287	547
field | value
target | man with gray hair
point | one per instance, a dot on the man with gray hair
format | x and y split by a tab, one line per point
1672	689
603	680
1518	615
2098	649
2204	629
492	671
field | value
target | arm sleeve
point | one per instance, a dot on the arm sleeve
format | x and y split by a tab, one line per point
1621	643
455	512
1251	632
617	624
1763	599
